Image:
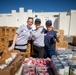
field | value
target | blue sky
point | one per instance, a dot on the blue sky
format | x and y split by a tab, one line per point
37	5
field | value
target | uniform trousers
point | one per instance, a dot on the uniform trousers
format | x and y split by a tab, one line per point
39	51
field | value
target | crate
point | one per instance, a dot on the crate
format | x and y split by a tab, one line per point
44	71
5	54
7	71
28	51
25	55
5	31
3	47
1	52
61	34
62	45
13	29
3	42
17	63
3	39
0	31
74	40
10	38
30	69
16	28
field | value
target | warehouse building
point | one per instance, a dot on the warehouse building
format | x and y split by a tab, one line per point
16	62
61	20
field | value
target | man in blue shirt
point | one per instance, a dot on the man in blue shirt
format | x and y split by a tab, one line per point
50	39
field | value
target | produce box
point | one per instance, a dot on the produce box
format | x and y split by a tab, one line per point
3	42
28	51
7	71
44	71
6	62
38	62
74	40
73	59
0	31
33	70
5	31
1	51
60	33
62	45
28	70
17	63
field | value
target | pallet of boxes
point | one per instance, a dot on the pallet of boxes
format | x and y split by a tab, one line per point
10	62
36	66
64	63
62	44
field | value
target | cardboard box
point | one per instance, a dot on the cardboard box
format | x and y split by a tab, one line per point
74	40
7	71
3	42
27	70
0	31
61	34
62	45
5	30
17	63
1	51
28	51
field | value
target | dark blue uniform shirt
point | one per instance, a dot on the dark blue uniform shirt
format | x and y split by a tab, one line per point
50	39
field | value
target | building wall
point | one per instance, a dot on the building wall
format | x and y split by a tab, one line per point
64	22
72	30
60	20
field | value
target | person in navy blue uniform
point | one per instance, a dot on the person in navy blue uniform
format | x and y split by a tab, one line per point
50	39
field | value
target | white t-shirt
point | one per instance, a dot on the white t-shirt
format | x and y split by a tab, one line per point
24	33
38	35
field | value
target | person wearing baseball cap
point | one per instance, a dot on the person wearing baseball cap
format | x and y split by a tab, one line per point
38	35
50	39
38	20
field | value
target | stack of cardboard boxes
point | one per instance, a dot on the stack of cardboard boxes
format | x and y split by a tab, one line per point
7	34
13	66
9	31
62	44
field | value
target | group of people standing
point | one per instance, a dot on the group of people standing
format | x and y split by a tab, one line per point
44	39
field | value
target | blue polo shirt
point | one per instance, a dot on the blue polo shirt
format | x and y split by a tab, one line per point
50	39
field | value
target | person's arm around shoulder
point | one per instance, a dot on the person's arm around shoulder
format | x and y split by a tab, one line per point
43	30
13	44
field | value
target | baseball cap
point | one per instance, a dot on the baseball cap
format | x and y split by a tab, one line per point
48	23
37	20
